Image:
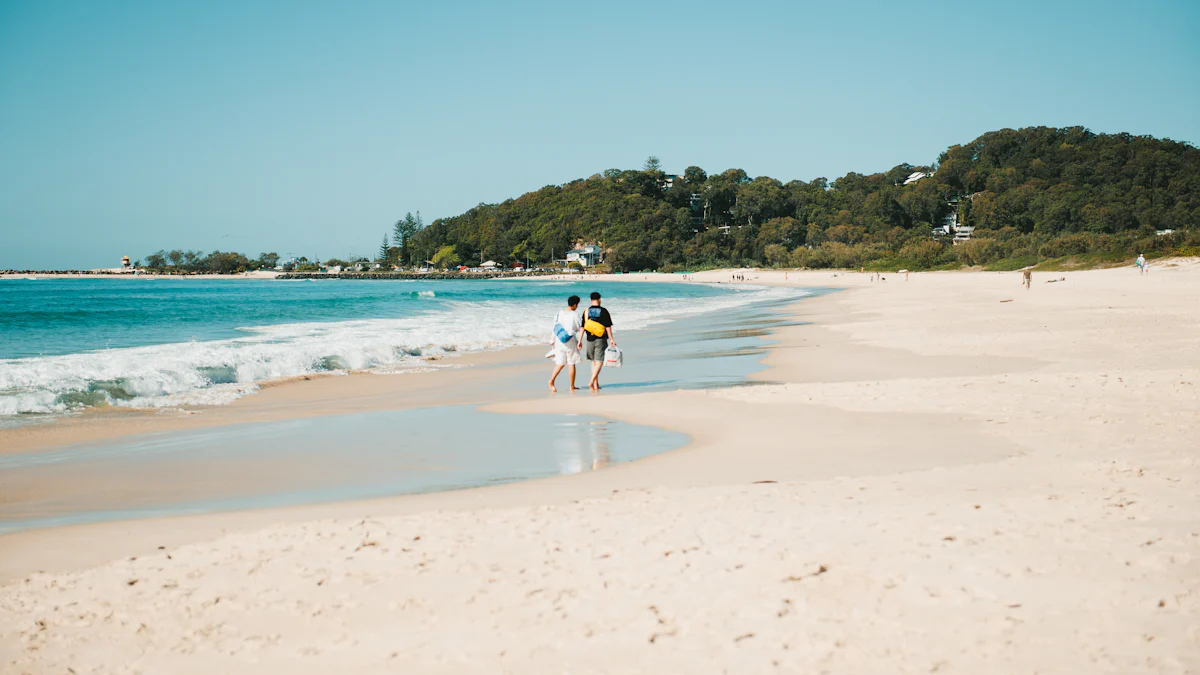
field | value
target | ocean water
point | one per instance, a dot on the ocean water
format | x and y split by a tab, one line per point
69	344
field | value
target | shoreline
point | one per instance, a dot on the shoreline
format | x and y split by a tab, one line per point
951	446
452	380
301	396
295	398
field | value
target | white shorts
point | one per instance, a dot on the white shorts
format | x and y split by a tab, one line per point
565	353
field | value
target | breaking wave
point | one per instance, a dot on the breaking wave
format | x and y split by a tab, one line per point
220	371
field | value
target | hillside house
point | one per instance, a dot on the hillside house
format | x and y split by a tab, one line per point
587	255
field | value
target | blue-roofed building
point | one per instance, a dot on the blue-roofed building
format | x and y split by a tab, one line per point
586	255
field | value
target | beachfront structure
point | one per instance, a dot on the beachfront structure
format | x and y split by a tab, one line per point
698	205
667	181
961	232
948	226
951	225
125	268
587	256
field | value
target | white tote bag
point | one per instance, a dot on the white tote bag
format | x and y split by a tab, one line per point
613	357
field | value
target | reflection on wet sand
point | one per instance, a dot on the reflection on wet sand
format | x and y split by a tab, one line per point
308	461
583	445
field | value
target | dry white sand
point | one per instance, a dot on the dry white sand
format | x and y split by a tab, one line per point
965	476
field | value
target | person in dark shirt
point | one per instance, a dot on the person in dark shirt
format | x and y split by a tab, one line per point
596	344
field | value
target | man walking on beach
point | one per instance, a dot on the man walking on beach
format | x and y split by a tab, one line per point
1141	264
596	344
565	336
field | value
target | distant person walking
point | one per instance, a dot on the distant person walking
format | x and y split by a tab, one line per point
1141	264
1027	277
566	336
597	319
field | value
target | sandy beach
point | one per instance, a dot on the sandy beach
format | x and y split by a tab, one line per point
945	474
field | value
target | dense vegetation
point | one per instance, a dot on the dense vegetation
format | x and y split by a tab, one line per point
1032	194
1067	196
217	262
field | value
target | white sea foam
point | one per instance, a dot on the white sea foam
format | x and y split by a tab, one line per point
220	371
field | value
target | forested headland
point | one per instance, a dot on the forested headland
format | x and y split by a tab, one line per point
1030	194
1018	197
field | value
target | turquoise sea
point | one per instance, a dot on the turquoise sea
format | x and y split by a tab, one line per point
69	344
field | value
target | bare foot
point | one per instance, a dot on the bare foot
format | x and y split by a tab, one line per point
553	389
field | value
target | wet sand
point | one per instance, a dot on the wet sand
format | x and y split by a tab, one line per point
945	474
450	381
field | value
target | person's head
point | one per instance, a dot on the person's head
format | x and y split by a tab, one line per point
573	301
595	299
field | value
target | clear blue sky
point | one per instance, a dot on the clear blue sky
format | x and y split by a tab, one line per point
308	128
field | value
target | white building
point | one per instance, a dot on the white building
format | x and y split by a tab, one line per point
916	176
587	256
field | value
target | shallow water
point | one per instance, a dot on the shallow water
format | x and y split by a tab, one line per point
311	460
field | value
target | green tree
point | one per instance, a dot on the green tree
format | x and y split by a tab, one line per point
268	260
403	232
652	165
446	257
383	254
776	255
694	178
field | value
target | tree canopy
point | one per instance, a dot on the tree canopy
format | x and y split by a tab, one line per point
217	262
1030	194
1023	190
